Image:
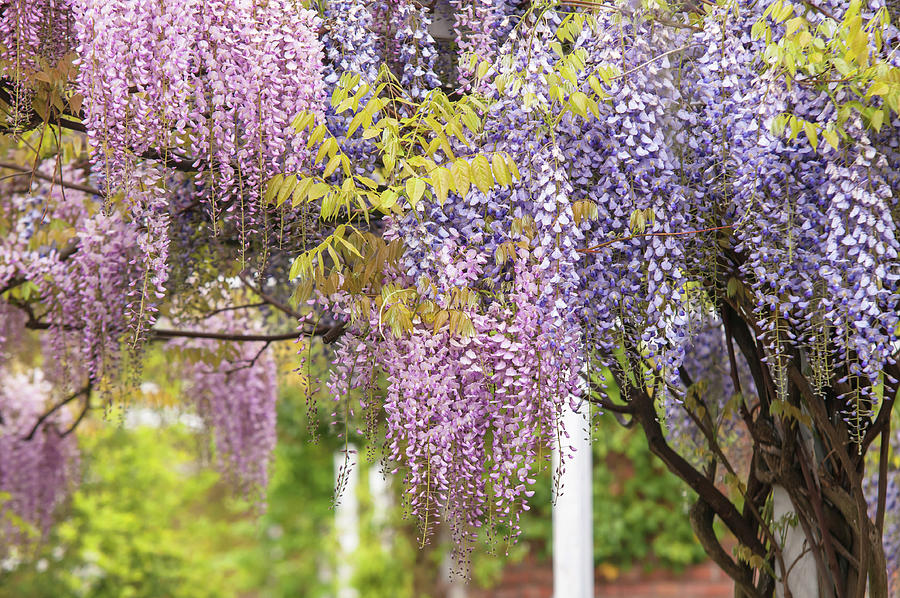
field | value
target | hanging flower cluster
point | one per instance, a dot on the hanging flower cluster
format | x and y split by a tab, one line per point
87	283
466	414
234	389
34	35
221	83
40	460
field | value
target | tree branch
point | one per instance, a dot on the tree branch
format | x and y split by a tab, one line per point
165	334
701	517
56	180
883	456
271	300
86	389
84	410
724	508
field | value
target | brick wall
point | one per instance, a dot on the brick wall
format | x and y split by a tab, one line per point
531	579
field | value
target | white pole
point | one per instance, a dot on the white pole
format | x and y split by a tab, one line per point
380	489
346	520
453	583
573	546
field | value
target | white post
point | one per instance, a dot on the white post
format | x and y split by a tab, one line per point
452	583
346	520
382	499
573	546
802	578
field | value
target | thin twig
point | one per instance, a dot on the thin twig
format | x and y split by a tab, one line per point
84	410
86	389
271	300
250	363
231	308
53	179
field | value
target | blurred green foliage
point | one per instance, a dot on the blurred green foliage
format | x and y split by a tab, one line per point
153	520
134	528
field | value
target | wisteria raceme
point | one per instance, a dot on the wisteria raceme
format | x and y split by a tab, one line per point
235	396
467	415
34	35
37	472
87	283
150	216
417	51
222	86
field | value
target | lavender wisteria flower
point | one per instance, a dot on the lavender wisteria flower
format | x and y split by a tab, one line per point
39	469
235	396
222	86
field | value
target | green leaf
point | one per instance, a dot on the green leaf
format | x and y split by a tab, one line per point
318	190
879	88
460	172
513	169
733	285
811	134
303	120
483	67
831	137
481	174
286	188
578	101
388	200
349	246
877	119
415	188
441	180
272	188
470	119
301	191
332	165
501	171
355	122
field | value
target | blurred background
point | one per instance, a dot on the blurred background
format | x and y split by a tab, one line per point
152	518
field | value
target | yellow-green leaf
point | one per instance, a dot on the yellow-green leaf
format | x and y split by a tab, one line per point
481	174
415	188
287	187
440	318
811	134
501	171
318	190
578	102
272	188
460	172
441	180
388	199
513	169
483	67
301	191
332	165
877	119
